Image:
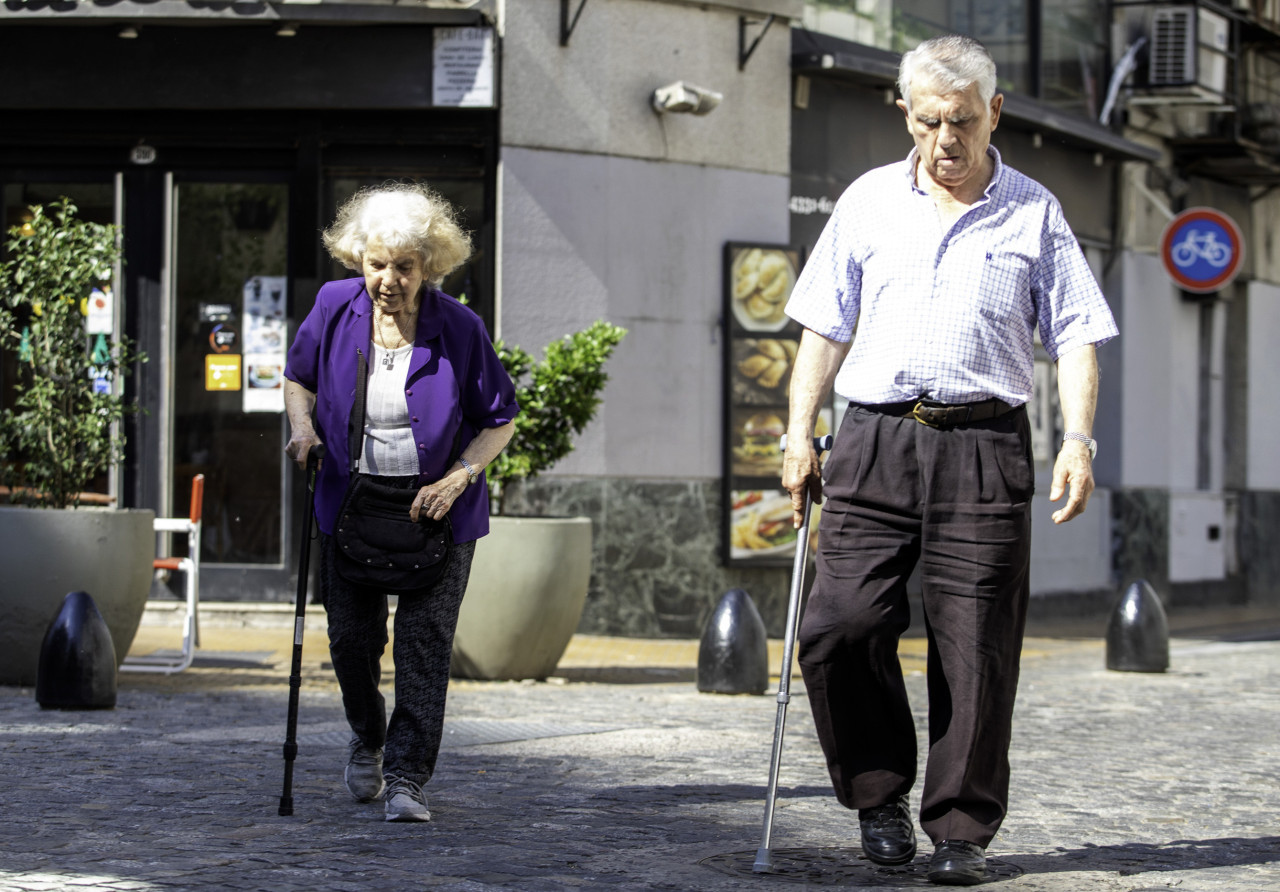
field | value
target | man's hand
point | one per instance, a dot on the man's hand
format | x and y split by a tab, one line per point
801	471
1074	469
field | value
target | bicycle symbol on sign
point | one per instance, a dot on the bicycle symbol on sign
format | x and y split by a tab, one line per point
1197	245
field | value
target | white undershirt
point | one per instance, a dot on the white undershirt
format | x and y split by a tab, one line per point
388	440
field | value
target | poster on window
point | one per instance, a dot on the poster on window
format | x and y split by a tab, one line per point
264	335
759	352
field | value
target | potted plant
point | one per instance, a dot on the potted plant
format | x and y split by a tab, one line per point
59	431
530	574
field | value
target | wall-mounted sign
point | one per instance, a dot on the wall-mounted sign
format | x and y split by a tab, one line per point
1202	250
759	353
462	67
264	343
222	371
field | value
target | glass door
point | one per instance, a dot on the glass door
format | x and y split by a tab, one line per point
226	335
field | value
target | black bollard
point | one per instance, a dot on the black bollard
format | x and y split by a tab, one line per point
733	657
77	668
1138	632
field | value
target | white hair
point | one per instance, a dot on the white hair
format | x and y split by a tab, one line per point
948	64
400	217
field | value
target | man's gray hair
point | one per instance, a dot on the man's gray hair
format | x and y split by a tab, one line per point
948	64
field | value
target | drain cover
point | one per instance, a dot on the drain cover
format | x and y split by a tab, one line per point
841	866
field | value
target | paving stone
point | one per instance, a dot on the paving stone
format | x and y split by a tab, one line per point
1121	782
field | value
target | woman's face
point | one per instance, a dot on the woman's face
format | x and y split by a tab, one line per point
392	280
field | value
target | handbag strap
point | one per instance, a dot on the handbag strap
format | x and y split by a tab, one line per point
355	424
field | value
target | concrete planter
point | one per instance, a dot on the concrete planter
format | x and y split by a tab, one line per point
528	585
46	553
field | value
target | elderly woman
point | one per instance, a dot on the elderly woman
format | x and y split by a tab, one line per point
440	407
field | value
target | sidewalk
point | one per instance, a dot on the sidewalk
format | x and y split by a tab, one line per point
1121	781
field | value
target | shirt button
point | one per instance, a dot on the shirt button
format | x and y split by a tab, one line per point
415	418
422	446
408	393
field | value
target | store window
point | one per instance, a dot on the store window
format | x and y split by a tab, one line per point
1054	50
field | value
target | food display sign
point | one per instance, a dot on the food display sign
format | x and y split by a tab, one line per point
760	351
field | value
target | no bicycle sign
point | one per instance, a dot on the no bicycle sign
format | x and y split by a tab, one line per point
1202	250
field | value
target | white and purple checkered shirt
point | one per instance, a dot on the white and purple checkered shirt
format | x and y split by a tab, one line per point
947	315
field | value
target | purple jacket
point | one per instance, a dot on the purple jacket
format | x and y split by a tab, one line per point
455	381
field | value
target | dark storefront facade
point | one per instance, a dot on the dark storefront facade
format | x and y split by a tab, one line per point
224	150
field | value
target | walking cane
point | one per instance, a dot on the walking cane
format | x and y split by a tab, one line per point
764	857
300	613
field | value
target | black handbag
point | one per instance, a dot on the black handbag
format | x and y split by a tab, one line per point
378	546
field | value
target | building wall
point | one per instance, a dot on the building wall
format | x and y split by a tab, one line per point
609	210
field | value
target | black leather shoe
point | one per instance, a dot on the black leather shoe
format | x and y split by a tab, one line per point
958	863
887	834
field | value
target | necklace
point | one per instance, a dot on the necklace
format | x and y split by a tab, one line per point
380	339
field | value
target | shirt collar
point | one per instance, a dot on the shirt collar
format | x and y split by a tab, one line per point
992	152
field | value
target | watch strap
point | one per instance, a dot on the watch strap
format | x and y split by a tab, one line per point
1085	439
469	468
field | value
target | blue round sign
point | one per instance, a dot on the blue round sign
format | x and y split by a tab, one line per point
1202	250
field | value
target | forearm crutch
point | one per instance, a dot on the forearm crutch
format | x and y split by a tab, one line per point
764	857
299	620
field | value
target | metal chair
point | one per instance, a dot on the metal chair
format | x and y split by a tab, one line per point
171	661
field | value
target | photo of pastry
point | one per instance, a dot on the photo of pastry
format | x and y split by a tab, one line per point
760	281
761	369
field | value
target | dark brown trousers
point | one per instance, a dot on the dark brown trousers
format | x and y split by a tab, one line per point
956	502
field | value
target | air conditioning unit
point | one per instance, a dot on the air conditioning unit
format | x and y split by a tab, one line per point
1189	53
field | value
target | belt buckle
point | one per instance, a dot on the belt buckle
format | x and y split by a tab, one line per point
918	413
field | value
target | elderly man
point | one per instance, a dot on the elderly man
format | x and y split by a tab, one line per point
944	264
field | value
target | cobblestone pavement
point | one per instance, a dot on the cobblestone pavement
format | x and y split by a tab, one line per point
1121	781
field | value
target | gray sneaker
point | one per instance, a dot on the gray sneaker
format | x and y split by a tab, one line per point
406	801
364	771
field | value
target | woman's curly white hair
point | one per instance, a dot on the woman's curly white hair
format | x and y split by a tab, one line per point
400	217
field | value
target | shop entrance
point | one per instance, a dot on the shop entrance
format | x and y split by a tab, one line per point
221	216
215	340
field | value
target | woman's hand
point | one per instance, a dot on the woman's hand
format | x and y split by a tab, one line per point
300	443
435	499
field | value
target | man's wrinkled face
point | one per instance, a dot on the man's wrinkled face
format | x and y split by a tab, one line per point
952	132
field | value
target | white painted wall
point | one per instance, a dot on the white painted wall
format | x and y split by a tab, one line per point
1264	373
1074	556
638	243
592	96
1160	368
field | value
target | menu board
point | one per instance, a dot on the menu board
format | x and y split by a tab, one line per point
760	351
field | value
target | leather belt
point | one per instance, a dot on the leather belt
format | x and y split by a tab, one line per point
941	415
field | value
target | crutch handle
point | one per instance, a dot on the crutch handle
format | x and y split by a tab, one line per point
315	455
820	444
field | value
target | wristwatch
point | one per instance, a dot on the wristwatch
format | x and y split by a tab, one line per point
471	471
1086	440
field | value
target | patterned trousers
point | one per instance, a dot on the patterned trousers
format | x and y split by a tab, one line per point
424	627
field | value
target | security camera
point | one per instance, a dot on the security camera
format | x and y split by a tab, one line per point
682	97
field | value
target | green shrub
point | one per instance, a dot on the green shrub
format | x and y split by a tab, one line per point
558	398
61	432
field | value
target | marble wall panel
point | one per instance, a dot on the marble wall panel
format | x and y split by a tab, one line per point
657	569
1258	534
1140	536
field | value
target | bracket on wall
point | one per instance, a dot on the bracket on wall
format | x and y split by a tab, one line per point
744	51
567	24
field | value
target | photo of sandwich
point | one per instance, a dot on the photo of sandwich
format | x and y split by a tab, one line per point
756	445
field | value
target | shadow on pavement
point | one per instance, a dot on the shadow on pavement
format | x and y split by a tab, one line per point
1135	858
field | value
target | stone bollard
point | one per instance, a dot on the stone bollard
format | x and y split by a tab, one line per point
1138	632
77	668
733	657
